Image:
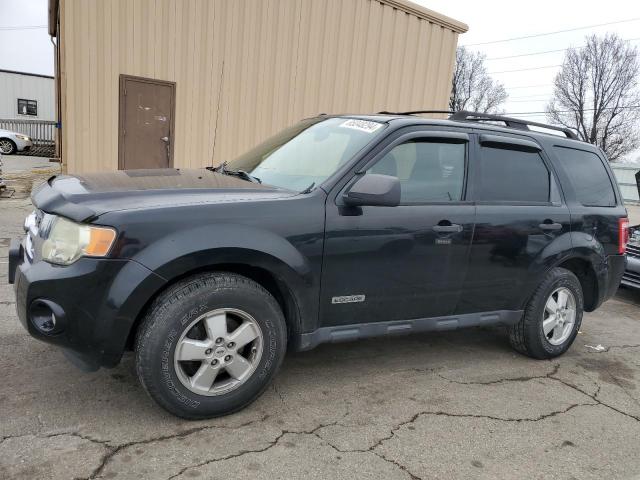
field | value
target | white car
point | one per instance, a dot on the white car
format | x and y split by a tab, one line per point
12	142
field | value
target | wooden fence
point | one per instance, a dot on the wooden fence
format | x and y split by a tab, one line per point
41	132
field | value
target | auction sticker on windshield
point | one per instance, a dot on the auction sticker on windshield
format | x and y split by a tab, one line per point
362	125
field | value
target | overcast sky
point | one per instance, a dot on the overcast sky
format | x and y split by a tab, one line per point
25	49
492	20
30	49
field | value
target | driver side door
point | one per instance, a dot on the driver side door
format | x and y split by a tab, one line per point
404	262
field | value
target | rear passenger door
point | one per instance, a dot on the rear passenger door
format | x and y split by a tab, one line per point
520	219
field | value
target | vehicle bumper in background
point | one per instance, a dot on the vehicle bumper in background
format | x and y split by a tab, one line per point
88	308
631	277
23	145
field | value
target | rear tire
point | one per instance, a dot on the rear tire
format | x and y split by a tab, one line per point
547	329
186	356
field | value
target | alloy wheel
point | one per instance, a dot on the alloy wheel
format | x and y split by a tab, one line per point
6	147
559	316
218	351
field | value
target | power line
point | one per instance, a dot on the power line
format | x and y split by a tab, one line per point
630	55
530	86
25	27
544	94
525	69
530	101
529	54
537	86
628	107
527	114
534	95
542	114
548	51
552	33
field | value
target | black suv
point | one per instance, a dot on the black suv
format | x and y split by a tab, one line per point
338	228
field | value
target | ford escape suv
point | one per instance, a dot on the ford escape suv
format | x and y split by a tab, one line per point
338	228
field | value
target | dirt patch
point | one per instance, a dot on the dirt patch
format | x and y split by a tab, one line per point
21	184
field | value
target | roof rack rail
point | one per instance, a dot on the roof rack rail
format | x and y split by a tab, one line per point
448	112
510	122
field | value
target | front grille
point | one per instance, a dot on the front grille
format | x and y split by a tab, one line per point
633	250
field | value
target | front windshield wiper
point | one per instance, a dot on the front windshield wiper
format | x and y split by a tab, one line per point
308	189
244	175
238	173
219	168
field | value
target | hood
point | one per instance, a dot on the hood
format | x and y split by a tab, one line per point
85	197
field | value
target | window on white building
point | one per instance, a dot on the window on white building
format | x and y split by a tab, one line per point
27	107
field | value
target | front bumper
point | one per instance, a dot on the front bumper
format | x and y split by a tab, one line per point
96	302
23	145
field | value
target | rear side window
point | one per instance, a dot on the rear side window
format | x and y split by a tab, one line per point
512	176
588	176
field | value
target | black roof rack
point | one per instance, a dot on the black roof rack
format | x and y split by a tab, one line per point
448	112
509	122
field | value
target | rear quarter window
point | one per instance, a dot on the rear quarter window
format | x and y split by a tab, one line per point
588	176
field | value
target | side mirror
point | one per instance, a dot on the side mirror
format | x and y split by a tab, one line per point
374	190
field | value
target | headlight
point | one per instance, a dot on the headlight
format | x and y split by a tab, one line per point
22	137
68	241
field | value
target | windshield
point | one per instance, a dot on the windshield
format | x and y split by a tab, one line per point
307	153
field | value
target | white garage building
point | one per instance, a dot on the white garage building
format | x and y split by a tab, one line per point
26	96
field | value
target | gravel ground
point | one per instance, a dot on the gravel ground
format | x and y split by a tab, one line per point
442	405
26	164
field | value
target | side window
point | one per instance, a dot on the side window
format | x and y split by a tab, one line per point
588	177
27	107
428	171
512	176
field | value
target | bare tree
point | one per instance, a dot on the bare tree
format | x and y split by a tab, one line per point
472	87
596	94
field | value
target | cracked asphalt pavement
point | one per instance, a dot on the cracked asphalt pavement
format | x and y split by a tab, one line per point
442	405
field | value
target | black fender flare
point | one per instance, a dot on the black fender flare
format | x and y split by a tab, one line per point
552	255
583	247
209	246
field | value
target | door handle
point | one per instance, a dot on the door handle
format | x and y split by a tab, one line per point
452	228
550	226
166	144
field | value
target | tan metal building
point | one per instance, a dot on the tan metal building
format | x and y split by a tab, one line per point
189	83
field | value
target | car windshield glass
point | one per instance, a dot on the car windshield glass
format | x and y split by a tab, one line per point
307	153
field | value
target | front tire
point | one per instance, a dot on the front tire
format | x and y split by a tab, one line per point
210	345
552	317
7	146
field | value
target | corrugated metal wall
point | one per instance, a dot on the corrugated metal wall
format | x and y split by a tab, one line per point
243	69
14	86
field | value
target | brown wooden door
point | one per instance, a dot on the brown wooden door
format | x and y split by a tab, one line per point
146	123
